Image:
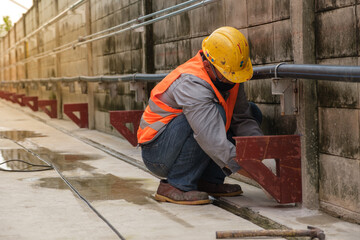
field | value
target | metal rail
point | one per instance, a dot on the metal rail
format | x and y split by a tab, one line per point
306	71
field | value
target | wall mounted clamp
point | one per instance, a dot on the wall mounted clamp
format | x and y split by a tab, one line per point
288	91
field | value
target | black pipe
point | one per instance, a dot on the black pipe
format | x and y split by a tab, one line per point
304	71
309	71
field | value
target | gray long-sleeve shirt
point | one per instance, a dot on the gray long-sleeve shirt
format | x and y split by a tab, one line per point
197	100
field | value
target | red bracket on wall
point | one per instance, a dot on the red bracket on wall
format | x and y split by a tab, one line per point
27	102
44	104
119	119
82	108
2	94
285	186
18	99
9	96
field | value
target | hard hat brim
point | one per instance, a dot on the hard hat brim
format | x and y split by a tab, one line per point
239	76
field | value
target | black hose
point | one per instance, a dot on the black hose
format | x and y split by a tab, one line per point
42	167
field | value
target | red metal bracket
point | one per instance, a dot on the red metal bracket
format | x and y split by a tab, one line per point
27	102
12	97
18	99
82	108
285	186
119	119
9	96
44	104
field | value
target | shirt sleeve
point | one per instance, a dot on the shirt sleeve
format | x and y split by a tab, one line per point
197	100
243	123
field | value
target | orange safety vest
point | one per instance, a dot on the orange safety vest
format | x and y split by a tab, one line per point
157	114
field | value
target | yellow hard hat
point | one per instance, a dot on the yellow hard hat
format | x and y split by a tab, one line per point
228	50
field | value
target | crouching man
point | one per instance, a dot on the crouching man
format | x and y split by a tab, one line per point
186	131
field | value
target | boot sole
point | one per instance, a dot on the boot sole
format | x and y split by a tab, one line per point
232	194
161	198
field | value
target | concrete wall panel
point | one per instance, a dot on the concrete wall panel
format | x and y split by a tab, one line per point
283	41
198	26
136	60
47	11
338	94
358	28
339	132
184	51
346	61
259	91
322	5
341	25
171	55
236	13
281	9
170	23
159	55
340	183
30	20
214	16
196	45
259	11
261	41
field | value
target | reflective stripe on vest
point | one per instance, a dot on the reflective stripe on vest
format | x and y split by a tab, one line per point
157	114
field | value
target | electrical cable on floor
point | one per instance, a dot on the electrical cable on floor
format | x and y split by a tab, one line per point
42	167
70	186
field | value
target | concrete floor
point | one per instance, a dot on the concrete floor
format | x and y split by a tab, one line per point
39	205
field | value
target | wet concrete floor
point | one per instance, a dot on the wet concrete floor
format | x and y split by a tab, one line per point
38	205
93	187
122	193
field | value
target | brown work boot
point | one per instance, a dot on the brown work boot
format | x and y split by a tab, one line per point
168	193
220	189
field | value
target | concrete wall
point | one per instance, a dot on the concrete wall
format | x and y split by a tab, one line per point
338	41
292	31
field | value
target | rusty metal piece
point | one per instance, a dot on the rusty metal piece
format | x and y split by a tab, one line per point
44	104
285	186
312	232
119	119
82	108
27	102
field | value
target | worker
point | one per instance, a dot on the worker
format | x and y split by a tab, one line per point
186	131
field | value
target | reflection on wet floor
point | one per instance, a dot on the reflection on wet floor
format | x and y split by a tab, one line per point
19	135
93	187
64	162
104	187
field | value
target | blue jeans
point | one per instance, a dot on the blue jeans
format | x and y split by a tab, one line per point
177	156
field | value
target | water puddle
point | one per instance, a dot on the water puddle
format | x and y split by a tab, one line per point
19	135
104	187
64	162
